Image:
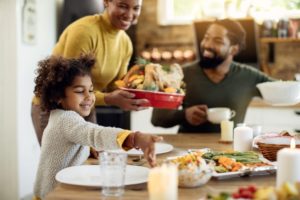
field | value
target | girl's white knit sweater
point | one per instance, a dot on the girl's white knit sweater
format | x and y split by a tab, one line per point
66	141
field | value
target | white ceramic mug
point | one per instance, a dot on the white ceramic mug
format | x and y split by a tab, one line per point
216	115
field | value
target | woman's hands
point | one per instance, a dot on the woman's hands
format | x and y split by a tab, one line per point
146	143
125	100
196	115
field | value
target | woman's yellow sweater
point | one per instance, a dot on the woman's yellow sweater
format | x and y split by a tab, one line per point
111	47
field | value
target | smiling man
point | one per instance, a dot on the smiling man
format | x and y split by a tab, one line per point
214	81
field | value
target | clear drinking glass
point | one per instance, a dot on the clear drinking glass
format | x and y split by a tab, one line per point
112	171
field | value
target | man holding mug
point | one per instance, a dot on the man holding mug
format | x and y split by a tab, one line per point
214	81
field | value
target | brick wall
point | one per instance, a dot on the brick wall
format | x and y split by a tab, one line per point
150	34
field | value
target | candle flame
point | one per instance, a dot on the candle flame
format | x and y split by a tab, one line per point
293	143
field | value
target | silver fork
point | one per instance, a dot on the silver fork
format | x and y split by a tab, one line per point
137	161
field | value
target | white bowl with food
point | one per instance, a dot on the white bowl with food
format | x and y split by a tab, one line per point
280	93
194	176
193	171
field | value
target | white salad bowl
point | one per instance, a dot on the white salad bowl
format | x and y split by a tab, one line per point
193	171
194	176
280	93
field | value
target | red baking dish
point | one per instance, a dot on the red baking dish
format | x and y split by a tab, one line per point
158	99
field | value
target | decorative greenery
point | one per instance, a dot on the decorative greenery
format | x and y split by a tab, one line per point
141	61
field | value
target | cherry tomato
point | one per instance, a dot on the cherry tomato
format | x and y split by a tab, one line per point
252	188
246	194
236	195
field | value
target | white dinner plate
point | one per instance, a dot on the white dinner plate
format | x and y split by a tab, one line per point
160	148
89	175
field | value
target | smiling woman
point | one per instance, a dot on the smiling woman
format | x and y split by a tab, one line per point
103	35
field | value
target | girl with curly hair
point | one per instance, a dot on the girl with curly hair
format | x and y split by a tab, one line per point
65	89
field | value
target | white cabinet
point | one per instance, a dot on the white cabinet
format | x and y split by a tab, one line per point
274	119
141	121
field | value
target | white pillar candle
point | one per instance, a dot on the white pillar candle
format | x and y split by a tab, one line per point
163	183
226	130
242	139
288	165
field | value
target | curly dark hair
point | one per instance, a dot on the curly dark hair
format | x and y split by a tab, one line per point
55	73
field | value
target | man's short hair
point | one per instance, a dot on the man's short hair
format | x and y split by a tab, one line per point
236	32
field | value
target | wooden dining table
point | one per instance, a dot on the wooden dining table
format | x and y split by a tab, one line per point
181	143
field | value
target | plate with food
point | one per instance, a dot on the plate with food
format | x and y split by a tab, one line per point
235	164
162	86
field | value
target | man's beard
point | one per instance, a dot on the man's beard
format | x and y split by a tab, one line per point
210	63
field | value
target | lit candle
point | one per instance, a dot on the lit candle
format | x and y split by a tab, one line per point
226	130
242	138
163	183
293	143
288	164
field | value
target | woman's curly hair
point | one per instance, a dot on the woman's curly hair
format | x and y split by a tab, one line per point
55	73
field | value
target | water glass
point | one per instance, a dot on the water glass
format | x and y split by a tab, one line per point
256	129
112	171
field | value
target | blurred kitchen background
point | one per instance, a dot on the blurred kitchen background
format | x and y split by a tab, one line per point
168	31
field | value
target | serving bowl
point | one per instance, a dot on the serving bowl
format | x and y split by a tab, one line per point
194	176
158	99
193	171
280	93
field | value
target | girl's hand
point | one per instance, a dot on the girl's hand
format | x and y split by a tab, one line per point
124	100
93	153
146	143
